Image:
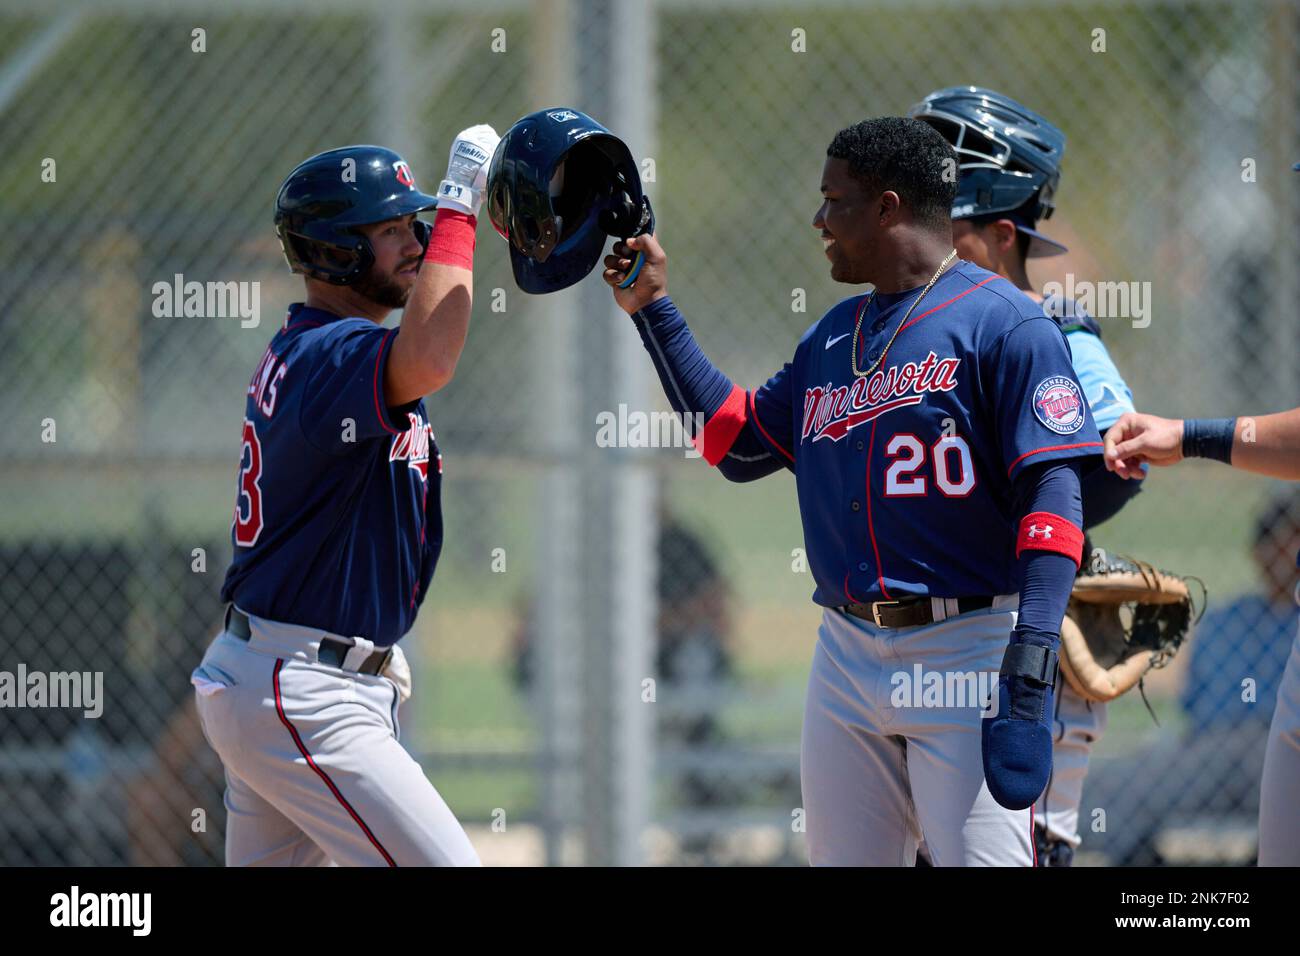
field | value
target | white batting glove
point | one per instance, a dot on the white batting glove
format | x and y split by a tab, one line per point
467	170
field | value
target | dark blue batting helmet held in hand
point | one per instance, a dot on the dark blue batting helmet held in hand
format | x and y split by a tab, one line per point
324	200
1008	158
560	184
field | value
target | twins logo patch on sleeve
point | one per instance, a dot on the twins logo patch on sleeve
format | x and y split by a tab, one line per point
1059	405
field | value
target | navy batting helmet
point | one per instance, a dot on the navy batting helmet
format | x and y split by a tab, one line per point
1008	158
325	199
559	184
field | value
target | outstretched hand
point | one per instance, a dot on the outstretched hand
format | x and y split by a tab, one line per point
1138	438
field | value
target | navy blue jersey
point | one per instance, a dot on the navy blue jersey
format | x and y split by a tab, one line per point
338	515
905	476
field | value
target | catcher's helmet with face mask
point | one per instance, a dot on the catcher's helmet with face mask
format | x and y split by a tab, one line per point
561	183
1008	158
324	200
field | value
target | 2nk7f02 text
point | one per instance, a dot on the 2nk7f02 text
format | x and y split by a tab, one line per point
1172	897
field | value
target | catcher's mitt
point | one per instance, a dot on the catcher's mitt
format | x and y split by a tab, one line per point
1125	618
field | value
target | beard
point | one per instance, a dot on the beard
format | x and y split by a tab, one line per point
856	269
842	270
383	289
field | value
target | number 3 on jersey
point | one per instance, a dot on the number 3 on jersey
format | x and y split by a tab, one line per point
248	499
954	471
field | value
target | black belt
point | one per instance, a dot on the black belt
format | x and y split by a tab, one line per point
909	612
332	651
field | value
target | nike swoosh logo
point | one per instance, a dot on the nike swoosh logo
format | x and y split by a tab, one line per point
830	342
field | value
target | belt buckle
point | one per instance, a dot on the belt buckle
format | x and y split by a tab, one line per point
875	610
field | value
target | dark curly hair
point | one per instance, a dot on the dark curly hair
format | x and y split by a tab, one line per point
905	155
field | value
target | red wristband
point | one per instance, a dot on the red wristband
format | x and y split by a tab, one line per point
452	242
1044	531
720	431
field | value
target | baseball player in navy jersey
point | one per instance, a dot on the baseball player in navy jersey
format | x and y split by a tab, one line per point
1266	445
1009	170
337	524
935	428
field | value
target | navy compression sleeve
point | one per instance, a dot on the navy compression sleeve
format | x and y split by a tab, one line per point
1049	547
695	386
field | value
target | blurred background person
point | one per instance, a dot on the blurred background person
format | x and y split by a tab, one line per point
694	675
1201	789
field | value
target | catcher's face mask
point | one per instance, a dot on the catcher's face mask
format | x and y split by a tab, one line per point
1008	158
559	185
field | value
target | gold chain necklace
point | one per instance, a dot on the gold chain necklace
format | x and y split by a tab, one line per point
857	329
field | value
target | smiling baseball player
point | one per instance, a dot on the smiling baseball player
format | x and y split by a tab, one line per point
338	523
1009	170
935	428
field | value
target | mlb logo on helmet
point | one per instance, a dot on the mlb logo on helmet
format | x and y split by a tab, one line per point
1059	405
404	174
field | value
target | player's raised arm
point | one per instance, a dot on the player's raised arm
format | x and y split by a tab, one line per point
1265	444
745	435
436	319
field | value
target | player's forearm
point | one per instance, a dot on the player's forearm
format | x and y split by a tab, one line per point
1049	548
711	405
435	322
1268	445
691	382
437	319
715	410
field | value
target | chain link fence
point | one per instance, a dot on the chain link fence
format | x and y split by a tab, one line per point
610	666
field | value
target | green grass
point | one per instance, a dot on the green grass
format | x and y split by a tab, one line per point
474	795
462	702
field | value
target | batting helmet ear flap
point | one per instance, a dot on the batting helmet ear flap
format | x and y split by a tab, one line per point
423	232
340	262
